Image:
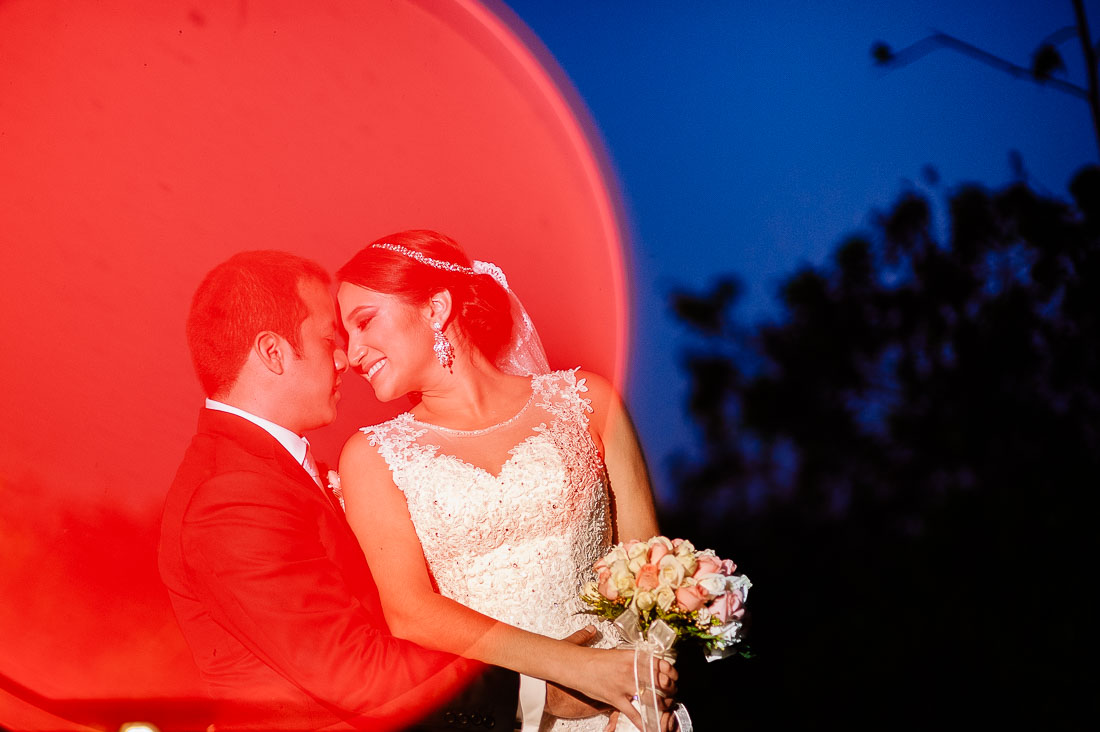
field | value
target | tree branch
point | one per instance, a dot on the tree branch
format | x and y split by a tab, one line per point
1090	65
925	46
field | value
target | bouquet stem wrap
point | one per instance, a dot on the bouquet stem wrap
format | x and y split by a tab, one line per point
656	642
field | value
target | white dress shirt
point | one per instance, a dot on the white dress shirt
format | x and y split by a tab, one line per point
294	443
532	691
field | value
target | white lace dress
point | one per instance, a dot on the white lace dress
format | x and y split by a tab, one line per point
511	518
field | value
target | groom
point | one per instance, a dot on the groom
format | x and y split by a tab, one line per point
267	581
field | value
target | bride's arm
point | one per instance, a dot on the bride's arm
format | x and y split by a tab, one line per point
631	494
379	516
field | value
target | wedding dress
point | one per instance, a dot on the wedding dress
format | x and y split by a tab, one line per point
511	517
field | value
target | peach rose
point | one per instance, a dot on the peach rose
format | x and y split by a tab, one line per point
707	564
648	577
690	598
727	607
604	584
657	551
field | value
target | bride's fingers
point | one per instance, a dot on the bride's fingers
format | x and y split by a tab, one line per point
667	685
581	637
631	713
613	722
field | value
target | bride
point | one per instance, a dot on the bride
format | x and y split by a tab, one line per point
482	510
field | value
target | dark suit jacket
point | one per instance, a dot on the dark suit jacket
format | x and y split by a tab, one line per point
277	603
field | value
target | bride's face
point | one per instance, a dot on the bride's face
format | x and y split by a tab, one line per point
389	340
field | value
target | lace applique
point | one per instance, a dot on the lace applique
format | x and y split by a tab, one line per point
517	545
396	443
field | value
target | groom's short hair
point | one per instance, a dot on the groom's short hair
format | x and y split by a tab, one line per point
248	293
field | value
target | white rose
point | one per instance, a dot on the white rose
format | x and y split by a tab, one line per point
660	540
644	600
665	598
619	569
714	584
739	583
671	572
622	578
637	549
728	634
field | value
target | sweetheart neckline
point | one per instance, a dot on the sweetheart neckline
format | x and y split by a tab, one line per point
512	455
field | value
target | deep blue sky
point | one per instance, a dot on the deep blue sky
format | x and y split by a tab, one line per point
751	137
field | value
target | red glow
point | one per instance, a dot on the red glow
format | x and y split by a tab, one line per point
142	143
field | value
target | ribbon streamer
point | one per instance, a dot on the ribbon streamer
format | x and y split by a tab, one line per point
657	642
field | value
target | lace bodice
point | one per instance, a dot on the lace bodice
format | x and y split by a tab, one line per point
511	518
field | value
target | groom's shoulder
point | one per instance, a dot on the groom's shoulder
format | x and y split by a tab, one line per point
216	470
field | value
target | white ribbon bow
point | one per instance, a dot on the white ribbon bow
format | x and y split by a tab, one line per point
656	642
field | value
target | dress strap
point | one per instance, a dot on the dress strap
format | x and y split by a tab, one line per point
562	394
395	440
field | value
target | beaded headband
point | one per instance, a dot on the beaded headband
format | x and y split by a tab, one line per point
485	268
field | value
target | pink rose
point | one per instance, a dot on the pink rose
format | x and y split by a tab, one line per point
727	607
657	551
690	598
707	565
647	577
605	585
728	567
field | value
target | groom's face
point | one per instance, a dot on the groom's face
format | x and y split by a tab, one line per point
315	375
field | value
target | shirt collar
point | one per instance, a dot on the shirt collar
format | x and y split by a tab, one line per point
295	444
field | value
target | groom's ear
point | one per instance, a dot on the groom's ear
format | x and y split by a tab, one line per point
439	307
271	350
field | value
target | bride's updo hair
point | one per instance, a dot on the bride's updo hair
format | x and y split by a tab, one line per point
480	307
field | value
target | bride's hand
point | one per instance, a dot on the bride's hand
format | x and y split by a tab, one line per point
608	676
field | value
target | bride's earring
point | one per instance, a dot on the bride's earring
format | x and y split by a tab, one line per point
444	351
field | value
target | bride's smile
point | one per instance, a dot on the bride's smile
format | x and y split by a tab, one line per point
389	340
375	368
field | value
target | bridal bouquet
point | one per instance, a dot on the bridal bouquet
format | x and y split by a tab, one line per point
658	591
692	593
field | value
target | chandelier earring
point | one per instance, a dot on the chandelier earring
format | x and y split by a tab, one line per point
444	351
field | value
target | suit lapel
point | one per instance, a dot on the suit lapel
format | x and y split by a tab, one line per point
291	467
260	443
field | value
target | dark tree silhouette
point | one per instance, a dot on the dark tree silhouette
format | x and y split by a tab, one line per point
907	464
